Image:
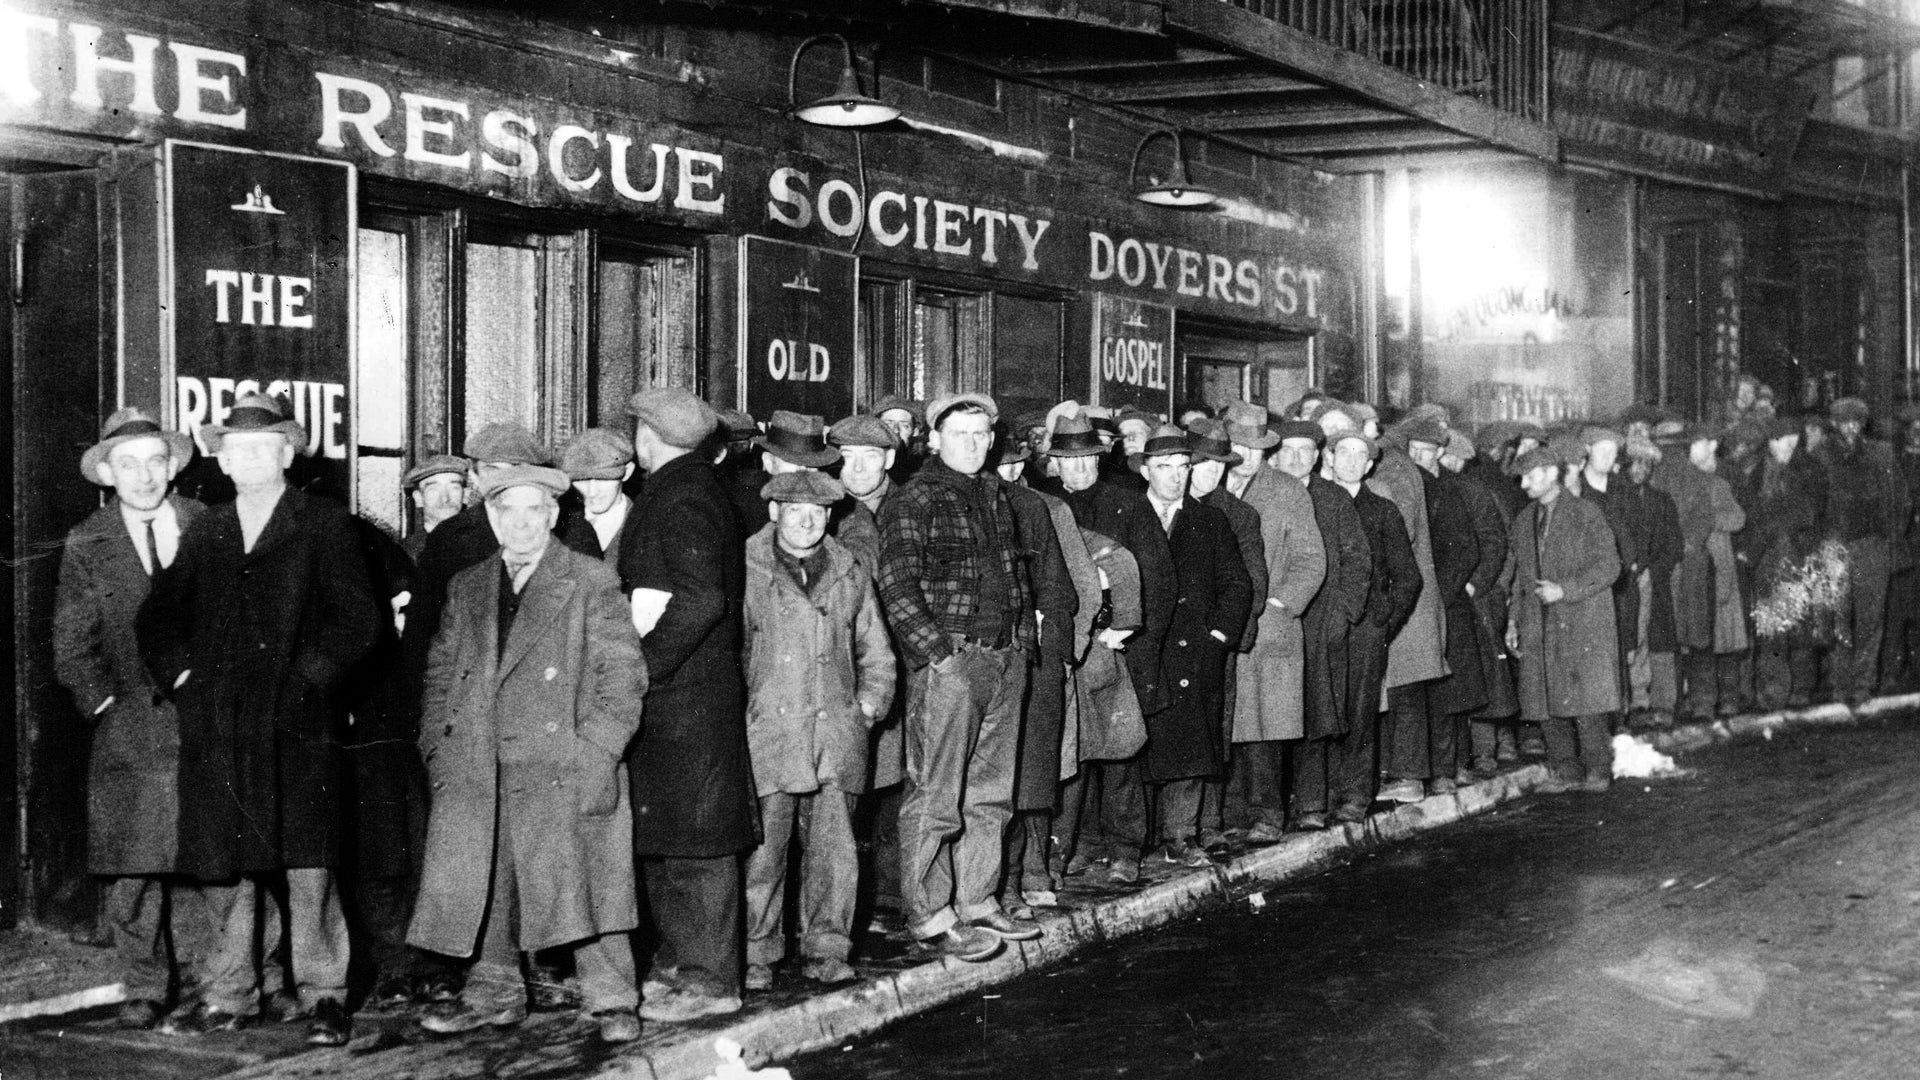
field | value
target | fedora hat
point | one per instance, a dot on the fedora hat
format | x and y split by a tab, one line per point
253	414
1246	425
125	425
1208	441
1073	436
799	438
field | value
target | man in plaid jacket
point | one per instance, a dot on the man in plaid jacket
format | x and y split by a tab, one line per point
958	599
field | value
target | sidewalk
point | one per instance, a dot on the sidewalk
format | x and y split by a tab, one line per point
792	1019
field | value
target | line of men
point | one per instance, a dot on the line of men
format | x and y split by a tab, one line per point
1076	641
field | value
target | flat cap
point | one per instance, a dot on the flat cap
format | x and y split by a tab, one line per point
1538	458
939	407
1009	451
1670	430
803	487
597	454
1299	429
1356	435
1850	408
545	477
740	426
894	401
509	443
1459	445
1594	433
1431	411
433	466
1424	429
861	429
679	417
1639	446
1362	411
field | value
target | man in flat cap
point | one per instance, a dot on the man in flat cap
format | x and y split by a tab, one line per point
599	461
533	691
1654	522
908	421
682	568
738	467
1708	619
437	488
1598	460
106	567
820	674
1561	625
1867	510
251	630
957	595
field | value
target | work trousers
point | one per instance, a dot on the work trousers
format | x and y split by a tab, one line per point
829	876
1213	789
1410	735
1334	772
1579	746
1256	785
1653	681
1029	844
1785	674
1104	811
316	933
963	747
137	914
602	965
1855	660
696	920
1178	809
1714	680
1898	670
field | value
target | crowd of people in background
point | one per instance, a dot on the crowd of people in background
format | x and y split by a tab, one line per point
556	748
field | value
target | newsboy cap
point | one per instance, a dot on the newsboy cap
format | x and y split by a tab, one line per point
1593	433
509	443
863	430
805	486
1539	457
1424	429
740	426
597	454
545	477
939	407
1850	408
1299	429
1459	445
679	417
126	425
437	465
1356	435
895	401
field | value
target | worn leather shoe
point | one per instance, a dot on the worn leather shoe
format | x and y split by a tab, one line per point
678	1005
829	971
201	1019
1006	927
1264	832
1555	784
139	1014
1191	856
1310	821
962	942
330	1026
617	1026
1124	872
459	1017
759	977
1402	791
1442	785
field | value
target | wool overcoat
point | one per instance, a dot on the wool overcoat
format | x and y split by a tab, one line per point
1394	588
1120	511
1269	703
133	801
1111	726
523	743
1706	591
1655	523
1419	648
692	779
268	635
1489	603
814	658
1456	565
1568	661
1212	596
1340	604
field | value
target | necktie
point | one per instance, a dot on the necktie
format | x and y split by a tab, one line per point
1166	517
517	571
153	550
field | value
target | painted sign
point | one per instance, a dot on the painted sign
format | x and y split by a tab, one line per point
1132	353
1629	106
798	307
261	250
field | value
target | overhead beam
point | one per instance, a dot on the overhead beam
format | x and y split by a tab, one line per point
1221	24
1269	119
1085	68
1415	159
1191	88
1380	139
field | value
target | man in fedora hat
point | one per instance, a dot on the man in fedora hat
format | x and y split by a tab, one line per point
1186	745
598	461
682	567
533	691
106	566
251	630
796	441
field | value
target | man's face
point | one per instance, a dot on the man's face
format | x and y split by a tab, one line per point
1167	476
1351	460
1849	429
1701	452
1036	438
1540	481
440	496
1370	428
1010	470
598	495
901	421
1251	458
1205	477
1453	463
1602	457
1424	454
1134	433
1745	393
864	468
776	465
1336	423
522	518
1296	457
963	441
1079	473
1913	437
1783	447
255	458
799	526
1639	469
139	471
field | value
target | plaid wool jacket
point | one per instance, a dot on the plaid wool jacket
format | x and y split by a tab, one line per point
931	560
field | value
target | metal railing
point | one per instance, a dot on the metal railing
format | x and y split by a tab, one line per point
1494	51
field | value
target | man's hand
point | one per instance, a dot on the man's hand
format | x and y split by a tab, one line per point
1549	592
182	680
1115	639
648	606
1513	639
1470	589
1217	636
400	601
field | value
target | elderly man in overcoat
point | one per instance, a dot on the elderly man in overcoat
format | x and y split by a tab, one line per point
251	630
533	691
133	770
1565	561
1269	706
682	567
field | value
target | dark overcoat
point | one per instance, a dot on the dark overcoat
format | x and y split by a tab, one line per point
1394	589
1340	604
268	636
692	780
455	544
1626	588
542	719
1655	523
390	795
576	531
1212	596
133	803
1456	562
1121	512
1705	588
1489	602
1419	646
1568	662
1269	703
1037	782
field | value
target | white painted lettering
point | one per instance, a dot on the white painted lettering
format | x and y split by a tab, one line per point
256	296
195	84
513	134
1162	257
421	127
786	202
89	65
557	157
839	226
294	294
1099	256
16	54
1138	273
699	171
990	222
617	146
1189	273
1030	238
334	114
950	222
919	223
223	282
1219	278
887	237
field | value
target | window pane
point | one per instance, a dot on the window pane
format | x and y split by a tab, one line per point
948	346
1026	353
646	330
880	356
503	337
380	377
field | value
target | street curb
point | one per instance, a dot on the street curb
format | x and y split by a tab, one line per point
1763	725
832	1018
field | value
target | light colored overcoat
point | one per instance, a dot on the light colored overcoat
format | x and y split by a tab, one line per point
544	722
1568	663
1269	702
1419	650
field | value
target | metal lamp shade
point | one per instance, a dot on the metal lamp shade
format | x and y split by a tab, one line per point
846	107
